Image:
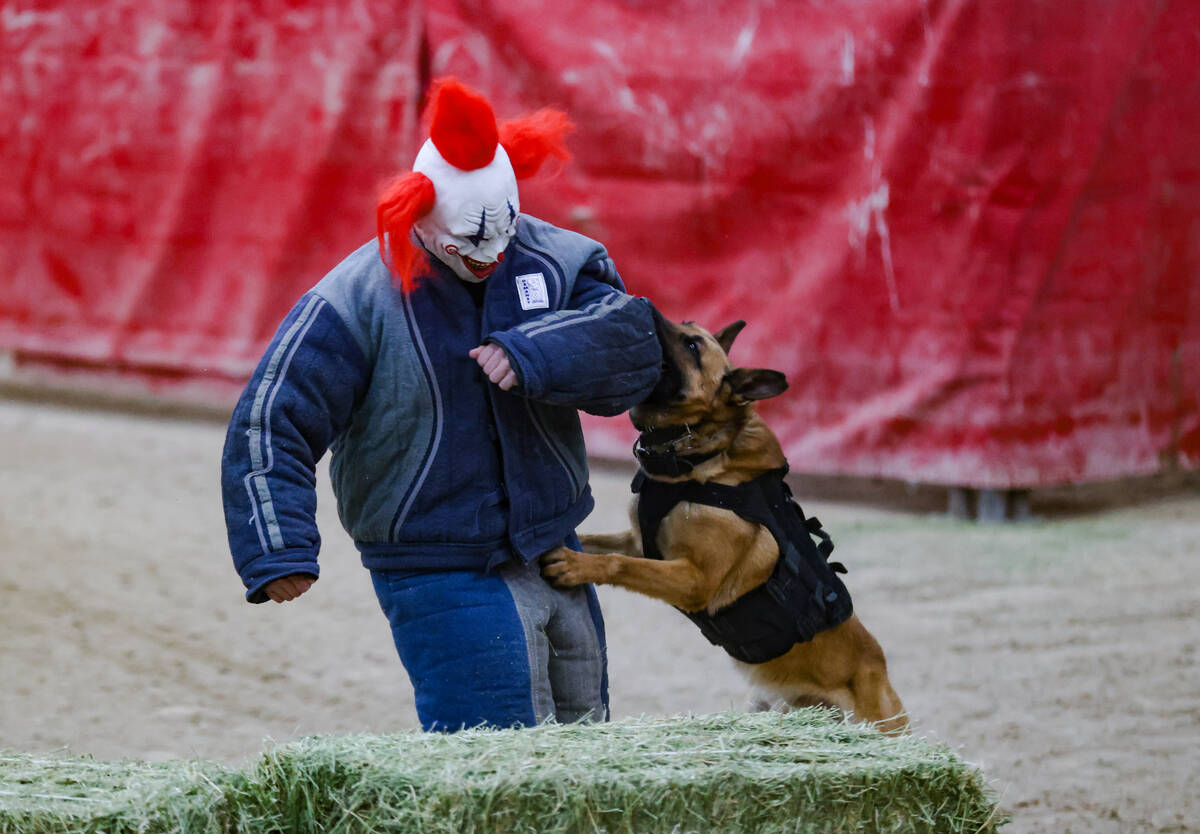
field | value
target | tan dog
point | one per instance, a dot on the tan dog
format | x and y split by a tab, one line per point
712	556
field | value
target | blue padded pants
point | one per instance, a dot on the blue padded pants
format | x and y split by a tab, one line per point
500	650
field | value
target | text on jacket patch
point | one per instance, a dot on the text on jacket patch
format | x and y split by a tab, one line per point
532	290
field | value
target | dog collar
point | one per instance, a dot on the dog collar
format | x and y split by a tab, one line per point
665	434
655	451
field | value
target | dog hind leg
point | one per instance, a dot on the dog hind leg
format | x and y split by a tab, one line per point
802	701
874	699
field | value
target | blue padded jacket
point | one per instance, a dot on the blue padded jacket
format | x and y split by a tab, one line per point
434	468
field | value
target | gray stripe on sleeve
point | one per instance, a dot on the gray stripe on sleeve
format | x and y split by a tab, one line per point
537	324
598	311
260	425
532	328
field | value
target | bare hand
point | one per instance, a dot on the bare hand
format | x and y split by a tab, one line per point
495	364
289	587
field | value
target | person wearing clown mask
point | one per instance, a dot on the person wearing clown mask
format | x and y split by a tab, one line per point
443	366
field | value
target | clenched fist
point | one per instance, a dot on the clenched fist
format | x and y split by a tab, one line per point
289	587
494	362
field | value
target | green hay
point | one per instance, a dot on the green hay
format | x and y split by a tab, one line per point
48	795
765	772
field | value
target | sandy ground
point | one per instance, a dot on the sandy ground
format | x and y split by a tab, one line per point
1061	656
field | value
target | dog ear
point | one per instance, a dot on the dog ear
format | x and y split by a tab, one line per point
728	333
747	384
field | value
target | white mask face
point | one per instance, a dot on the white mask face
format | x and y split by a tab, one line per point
474	216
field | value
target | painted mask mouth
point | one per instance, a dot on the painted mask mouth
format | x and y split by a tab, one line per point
479	268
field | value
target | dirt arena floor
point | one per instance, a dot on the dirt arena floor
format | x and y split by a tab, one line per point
1061	655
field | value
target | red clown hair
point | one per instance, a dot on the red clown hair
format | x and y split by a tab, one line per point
406	199
532	140
462	125
463	128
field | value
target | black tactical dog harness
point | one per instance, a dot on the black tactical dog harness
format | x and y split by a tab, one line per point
803	595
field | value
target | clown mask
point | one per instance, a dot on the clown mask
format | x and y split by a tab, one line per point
475	215
459	202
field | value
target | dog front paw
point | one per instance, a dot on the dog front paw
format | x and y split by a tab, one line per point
566	568
622	543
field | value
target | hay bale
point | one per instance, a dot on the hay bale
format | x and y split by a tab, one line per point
54	794
767	772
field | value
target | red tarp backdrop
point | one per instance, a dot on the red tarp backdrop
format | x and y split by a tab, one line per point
968	232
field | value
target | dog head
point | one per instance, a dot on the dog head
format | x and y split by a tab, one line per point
698	382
